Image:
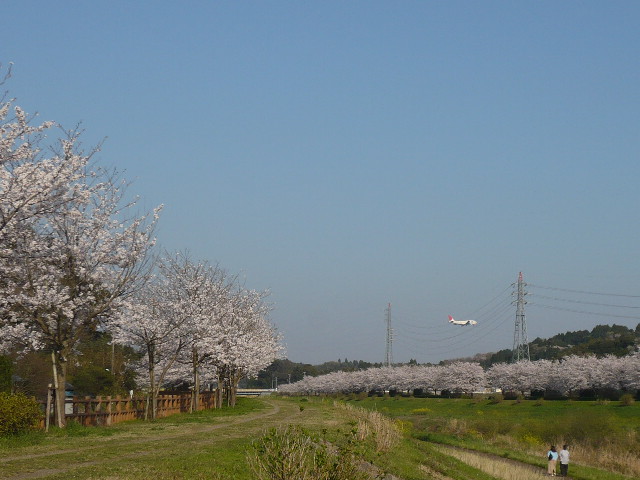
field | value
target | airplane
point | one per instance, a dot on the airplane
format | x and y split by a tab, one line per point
461	322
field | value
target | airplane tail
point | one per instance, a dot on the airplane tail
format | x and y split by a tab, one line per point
451	319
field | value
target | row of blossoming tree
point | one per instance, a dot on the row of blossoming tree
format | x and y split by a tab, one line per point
76	255
565	376
196	324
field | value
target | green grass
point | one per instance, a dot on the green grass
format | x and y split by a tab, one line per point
606	433
545	421
212	444
209	444
180	446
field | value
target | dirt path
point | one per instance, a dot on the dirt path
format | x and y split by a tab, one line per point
499	467
224	422
145	437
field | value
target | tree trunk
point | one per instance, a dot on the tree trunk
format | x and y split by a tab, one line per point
195	398
234	379
152	382
220	390
233	391
59	365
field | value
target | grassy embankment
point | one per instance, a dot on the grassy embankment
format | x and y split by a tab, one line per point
604	437
213	444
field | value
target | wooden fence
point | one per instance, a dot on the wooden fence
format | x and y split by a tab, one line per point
94	411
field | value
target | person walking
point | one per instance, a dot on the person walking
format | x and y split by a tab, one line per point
564	460
552	456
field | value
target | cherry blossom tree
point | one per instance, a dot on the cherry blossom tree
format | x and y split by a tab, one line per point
66	270
243	341
193	320
203	292
630	372
71	247
521	376
153	323
460	377
34	174
565	376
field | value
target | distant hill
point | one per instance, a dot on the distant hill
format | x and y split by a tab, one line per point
602	340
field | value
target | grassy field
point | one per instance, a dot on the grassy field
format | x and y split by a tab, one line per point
600	434
442	439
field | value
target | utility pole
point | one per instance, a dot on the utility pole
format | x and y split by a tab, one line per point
520	342
389	355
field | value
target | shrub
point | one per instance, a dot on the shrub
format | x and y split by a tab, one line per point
18	413
372	424
361	396
626	400
291	453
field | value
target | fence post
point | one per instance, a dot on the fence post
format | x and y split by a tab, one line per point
47	410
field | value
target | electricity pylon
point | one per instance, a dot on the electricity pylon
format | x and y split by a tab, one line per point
520	342
388	361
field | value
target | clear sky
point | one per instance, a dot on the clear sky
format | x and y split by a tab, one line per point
346	155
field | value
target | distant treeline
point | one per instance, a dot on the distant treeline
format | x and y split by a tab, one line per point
600	341
286	371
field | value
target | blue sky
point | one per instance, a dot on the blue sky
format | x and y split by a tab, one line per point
346	155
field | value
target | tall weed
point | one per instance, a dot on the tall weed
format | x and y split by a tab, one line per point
371	424
291	453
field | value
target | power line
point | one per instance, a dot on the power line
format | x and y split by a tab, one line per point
586	303
430	339
462	338
461	343
478	310
585	292
550	307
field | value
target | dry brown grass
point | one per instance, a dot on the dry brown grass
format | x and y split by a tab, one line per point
371	424
495	466
608	456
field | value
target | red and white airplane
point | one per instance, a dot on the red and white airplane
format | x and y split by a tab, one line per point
461	322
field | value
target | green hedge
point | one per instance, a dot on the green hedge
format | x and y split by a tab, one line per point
18	413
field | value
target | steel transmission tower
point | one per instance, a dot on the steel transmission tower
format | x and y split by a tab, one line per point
388	361
520	342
